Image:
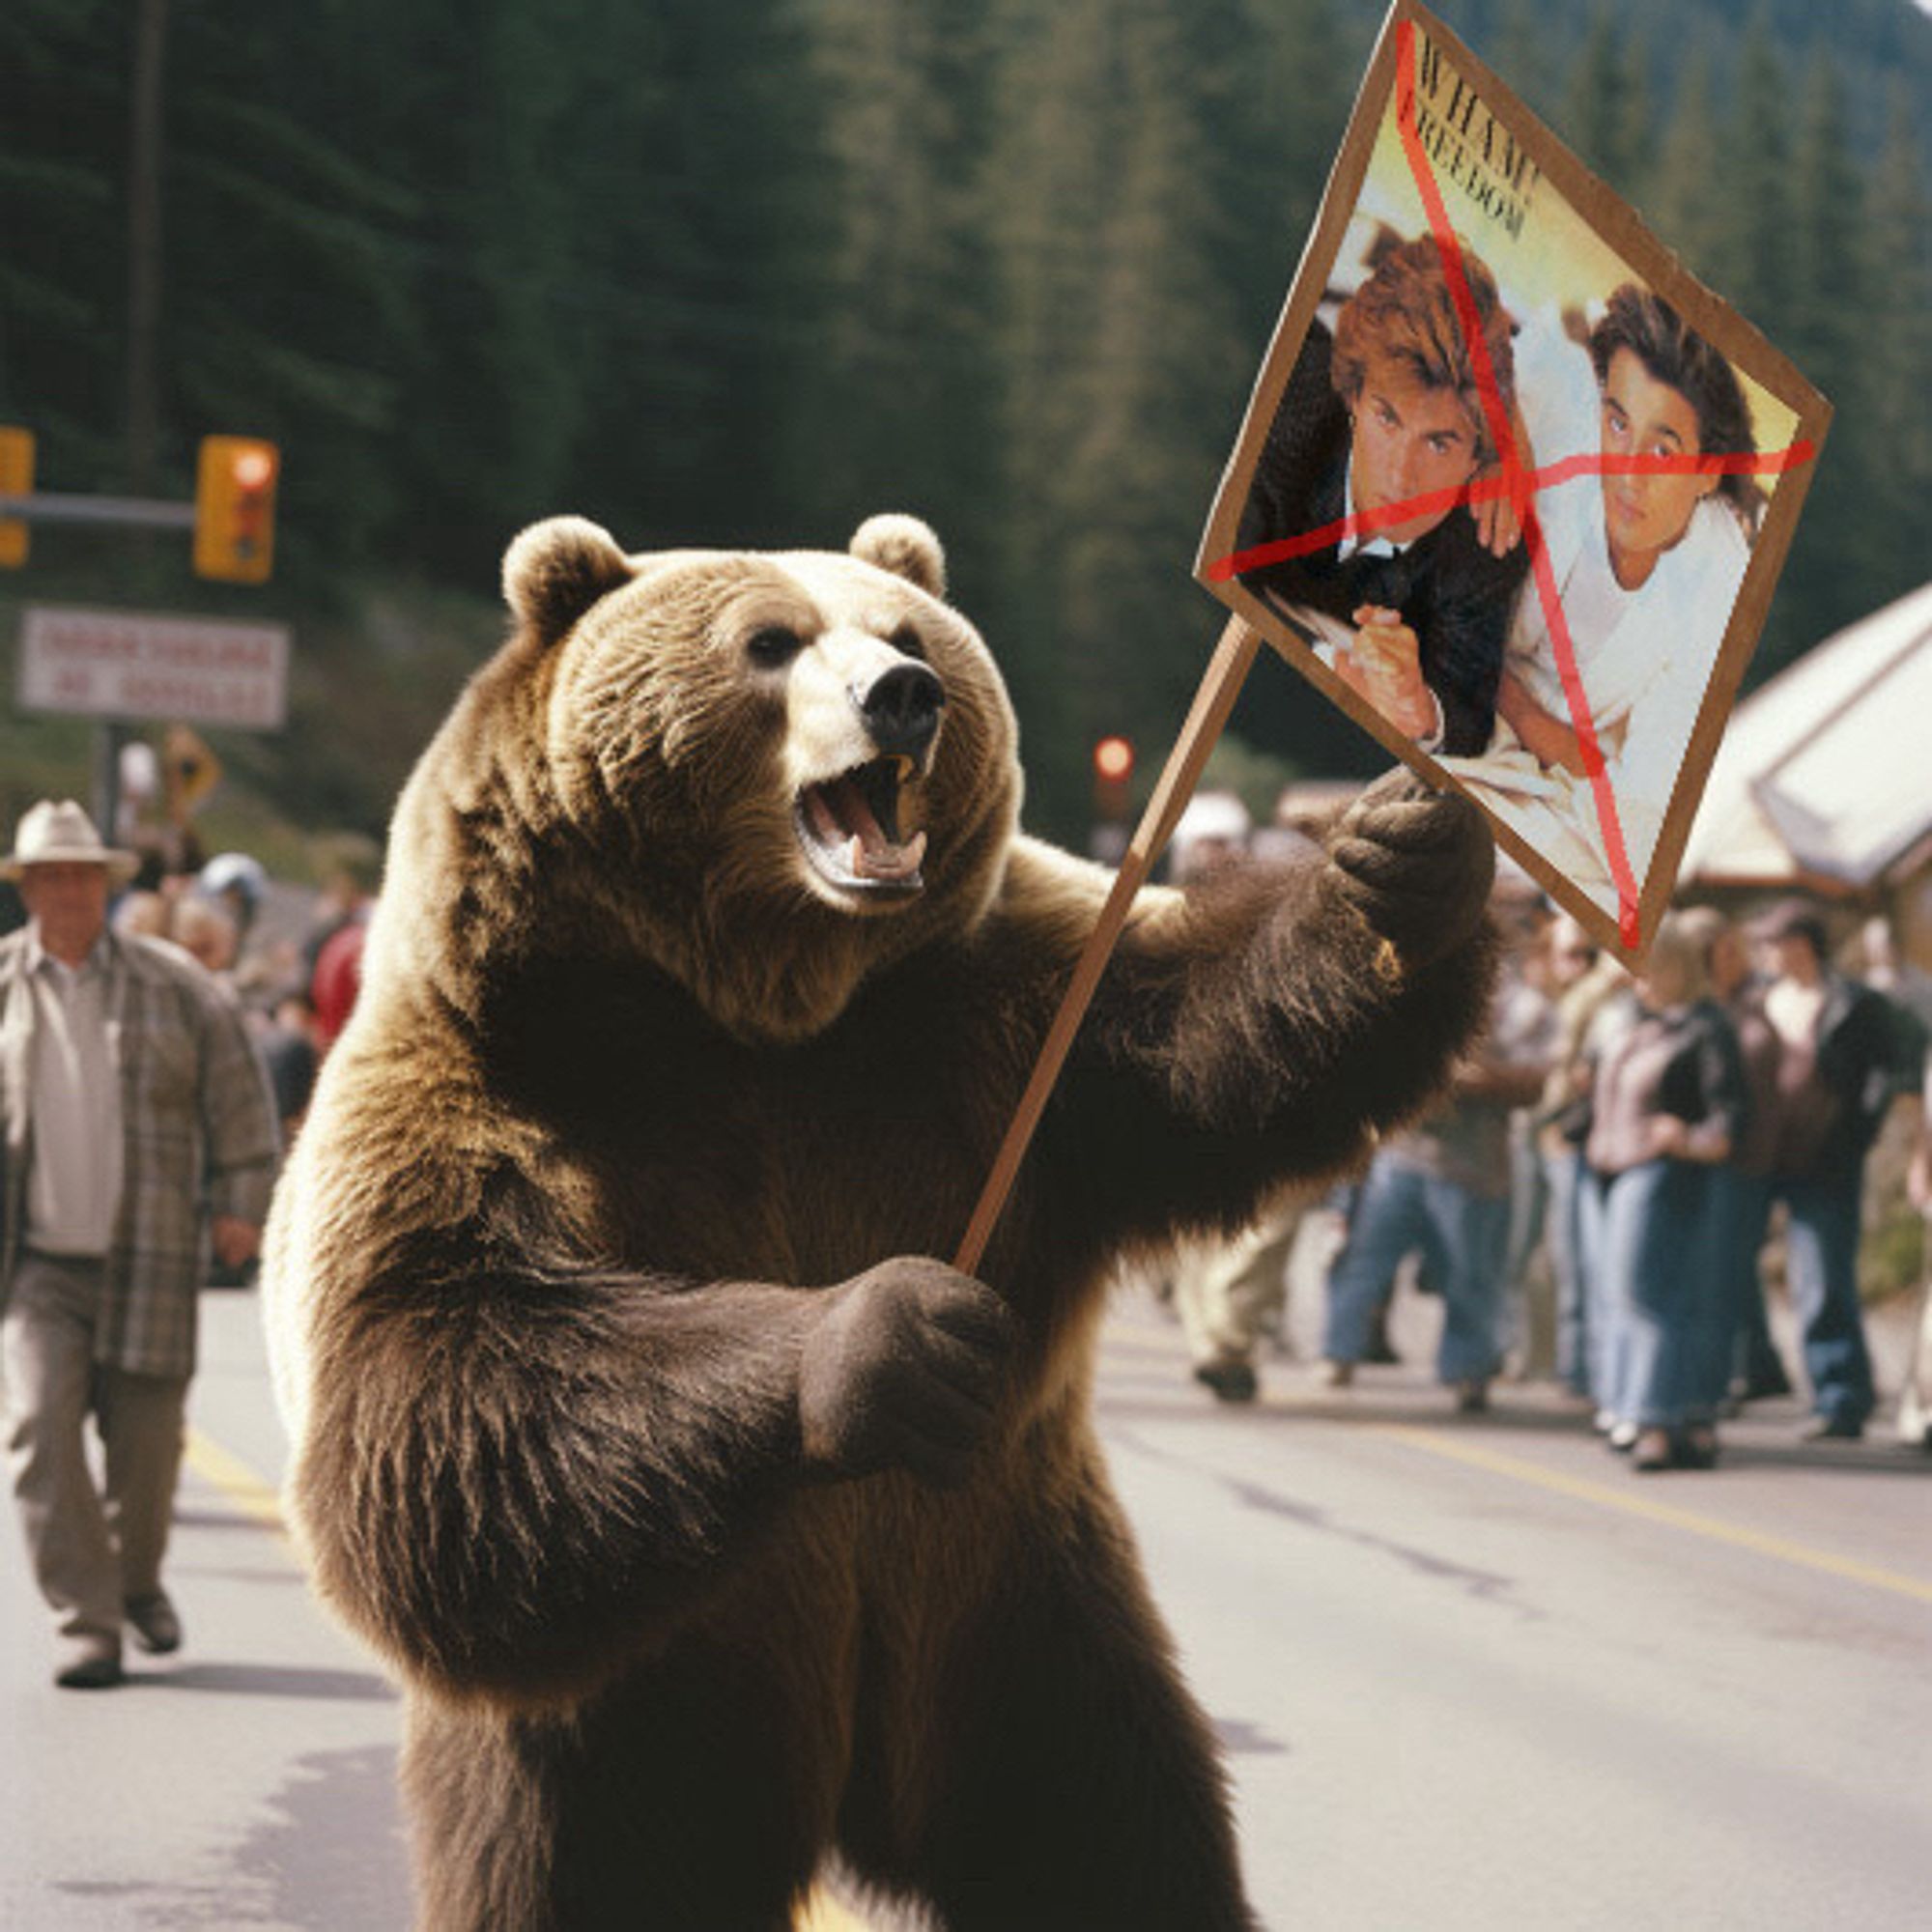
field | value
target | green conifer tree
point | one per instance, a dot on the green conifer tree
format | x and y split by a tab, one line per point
895	399
1890	335
1687	198
1603	106
1121	219
1754	264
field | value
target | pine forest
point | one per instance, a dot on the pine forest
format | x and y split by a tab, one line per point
742	274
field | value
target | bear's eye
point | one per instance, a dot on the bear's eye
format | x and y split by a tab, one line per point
773	647
908	643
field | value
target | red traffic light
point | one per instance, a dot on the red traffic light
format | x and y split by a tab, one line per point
235	509
253	467
1114	759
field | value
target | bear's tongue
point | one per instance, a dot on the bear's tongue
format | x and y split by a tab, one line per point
843	818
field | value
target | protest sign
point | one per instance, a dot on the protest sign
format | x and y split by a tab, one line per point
1481	333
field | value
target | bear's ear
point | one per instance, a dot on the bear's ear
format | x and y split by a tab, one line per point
555	570
905	546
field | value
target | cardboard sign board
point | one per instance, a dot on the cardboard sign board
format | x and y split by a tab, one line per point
133	664
1481	330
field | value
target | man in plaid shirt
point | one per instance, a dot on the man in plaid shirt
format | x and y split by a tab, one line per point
138	1133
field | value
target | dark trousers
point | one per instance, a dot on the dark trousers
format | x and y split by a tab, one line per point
1821	1248
1745	1207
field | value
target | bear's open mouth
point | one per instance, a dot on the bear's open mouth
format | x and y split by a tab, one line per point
849	827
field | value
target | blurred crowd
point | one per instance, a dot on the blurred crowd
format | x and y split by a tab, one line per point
1618	1174
287	956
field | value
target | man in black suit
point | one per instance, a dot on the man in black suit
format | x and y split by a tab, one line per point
1386	411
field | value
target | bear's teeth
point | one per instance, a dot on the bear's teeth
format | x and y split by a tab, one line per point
825	821
886	861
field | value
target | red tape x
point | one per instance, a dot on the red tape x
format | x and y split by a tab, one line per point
1516	482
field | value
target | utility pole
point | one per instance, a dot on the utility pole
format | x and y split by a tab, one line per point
144	244
144	316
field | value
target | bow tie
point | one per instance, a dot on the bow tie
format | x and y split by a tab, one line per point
1381	579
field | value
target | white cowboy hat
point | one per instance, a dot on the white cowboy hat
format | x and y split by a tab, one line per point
61	834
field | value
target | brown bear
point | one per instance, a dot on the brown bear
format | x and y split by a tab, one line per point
715	1529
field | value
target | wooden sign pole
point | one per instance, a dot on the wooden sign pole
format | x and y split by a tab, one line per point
1228	668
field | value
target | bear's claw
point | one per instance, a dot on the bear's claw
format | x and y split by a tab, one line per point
1417	865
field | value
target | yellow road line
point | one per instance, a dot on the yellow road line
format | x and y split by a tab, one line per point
1143	1337
1718	1530
235	1479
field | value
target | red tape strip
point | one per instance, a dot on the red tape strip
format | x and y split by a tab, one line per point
1493	409
1365	522
1517	483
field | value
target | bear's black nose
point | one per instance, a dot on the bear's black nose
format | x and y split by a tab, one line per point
901	709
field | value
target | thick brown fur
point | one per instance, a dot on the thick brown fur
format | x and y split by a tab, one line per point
627	1098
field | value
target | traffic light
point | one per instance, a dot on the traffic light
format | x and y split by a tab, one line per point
1112	767
235	509
16	479
1113	772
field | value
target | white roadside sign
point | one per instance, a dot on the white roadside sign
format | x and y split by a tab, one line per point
134	664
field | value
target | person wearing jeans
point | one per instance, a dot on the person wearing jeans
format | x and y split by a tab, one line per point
1461	1233
1443	1190
1666	1110
1583	983
1845	1054
1743	1184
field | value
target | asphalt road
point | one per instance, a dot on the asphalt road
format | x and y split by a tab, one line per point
1473	1672
1469	1671
247	1781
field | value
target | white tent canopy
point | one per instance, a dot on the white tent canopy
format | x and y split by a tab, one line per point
1825	773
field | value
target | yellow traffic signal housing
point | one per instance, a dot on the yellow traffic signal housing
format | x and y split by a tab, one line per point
235	509
16	479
